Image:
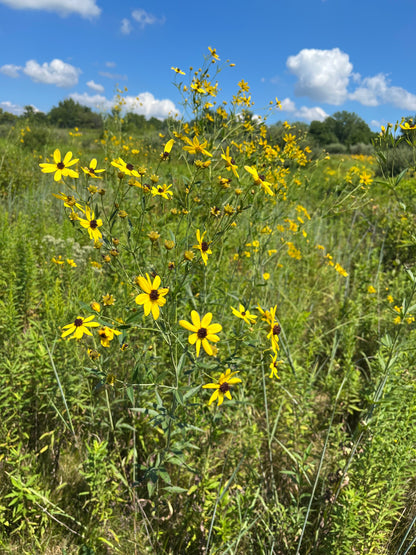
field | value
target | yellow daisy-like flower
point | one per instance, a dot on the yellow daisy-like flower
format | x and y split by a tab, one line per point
162	190
275	330
259	180
213	52
91	224
177	70
108	299
69	200
59	166
92	169
244	314
126	168
203	332
106	335
222	388
195	147
153	297
79	327
273	366
230	162
203	246
166	151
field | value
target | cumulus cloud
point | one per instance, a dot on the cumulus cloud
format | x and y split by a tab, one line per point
323	75
8	106
304	112
311	114
10	70
126	26
141	17
85	8
95	86
144	18
377	90
144	104
56	73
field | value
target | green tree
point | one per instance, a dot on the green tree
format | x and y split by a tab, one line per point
69	113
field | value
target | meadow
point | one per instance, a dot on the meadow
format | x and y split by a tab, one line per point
207	338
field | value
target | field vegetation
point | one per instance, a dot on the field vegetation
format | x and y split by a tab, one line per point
208	331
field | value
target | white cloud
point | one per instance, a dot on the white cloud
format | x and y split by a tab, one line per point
112	75
144	104
10	70
144	18
85	8
323	75
311	114
287	105
126	27
110	64
304	113
376	90
56	73
8	106
95	86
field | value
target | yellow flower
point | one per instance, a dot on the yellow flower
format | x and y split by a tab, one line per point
108	299
91	170
275	330
195	147
168	147
162	190
91	224
244	314
60	167
371	289
259	180
203	332
273	366
153	236
127	169
69	200
58	260
266	276
106	335
71	262
229	161
153	297
203	246
80	327
222	388
177	70
213	53
95	306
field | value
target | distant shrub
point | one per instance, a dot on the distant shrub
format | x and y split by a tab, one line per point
336	148
362	148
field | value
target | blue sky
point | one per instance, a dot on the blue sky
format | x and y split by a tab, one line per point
316	56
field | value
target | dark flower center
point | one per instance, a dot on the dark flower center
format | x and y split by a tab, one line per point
154	295
78	322
60	165
204	246
224	387
262	177
93	224
159	190
233	161
129	167
91	170
243	313
202	333
276	329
